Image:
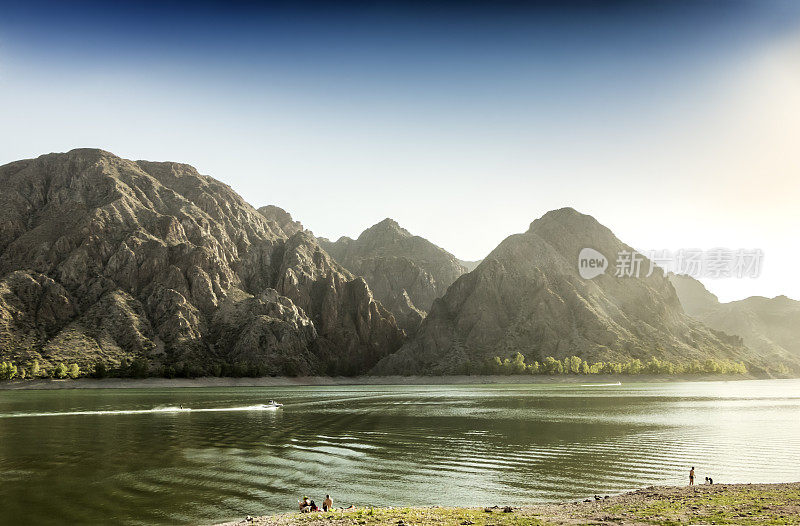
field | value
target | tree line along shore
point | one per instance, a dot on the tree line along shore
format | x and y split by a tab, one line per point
515	365
732	504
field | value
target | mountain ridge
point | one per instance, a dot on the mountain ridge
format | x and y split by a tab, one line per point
527	296
152	268
407	272
770	326
167	249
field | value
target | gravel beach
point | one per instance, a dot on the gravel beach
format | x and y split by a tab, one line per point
740	504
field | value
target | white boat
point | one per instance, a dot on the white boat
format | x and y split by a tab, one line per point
601	385
272	404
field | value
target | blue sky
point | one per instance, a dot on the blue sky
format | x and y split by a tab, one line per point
674	123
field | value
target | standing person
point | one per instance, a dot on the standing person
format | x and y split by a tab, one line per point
327	504
691	476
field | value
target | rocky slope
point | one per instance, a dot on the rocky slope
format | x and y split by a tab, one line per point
282	218
106	259
528	296
406	272
769	326
469	265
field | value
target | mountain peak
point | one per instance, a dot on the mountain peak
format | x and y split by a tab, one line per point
386	227
566	211
91	154
566	217
388	222
568	231
406	272
90	151
282	217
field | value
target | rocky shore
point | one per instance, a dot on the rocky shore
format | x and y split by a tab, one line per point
741	504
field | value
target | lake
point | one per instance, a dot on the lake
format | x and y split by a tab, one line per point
131	456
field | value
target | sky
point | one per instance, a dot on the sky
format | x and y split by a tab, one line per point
676	124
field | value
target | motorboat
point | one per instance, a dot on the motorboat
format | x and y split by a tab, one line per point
272	404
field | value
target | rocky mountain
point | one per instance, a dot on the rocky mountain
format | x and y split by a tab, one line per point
153	267
527	296
769	326
282	218
406	272
469	265
693	295
104	259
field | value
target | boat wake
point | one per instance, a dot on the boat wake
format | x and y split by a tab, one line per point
601	385
157	409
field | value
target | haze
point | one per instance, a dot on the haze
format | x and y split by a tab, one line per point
674	124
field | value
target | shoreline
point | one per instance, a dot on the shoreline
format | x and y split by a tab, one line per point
739	504
287	381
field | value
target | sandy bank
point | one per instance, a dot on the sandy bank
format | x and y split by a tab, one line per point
745	504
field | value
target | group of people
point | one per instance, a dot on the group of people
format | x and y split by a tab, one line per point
709	480
307	505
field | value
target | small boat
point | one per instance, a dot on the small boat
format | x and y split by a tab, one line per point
601	385
272	404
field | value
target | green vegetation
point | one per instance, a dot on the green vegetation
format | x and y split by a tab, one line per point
739	504
514	365
576	365
414	516
60	371
35	370
100	370
8	371
137	368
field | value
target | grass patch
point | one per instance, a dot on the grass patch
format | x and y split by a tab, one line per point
741	505
418	516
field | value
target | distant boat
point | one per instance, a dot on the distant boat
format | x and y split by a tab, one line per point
601	385
272	404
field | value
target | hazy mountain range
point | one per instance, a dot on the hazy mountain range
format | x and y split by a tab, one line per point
769	326
109	260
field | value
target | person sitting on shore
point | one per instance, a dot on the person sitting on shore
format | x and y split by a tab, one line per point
710	481
327	504
691	476
305	505
706	480
313	506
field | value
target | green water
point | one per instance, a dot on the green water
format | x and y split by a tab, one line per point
92	456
